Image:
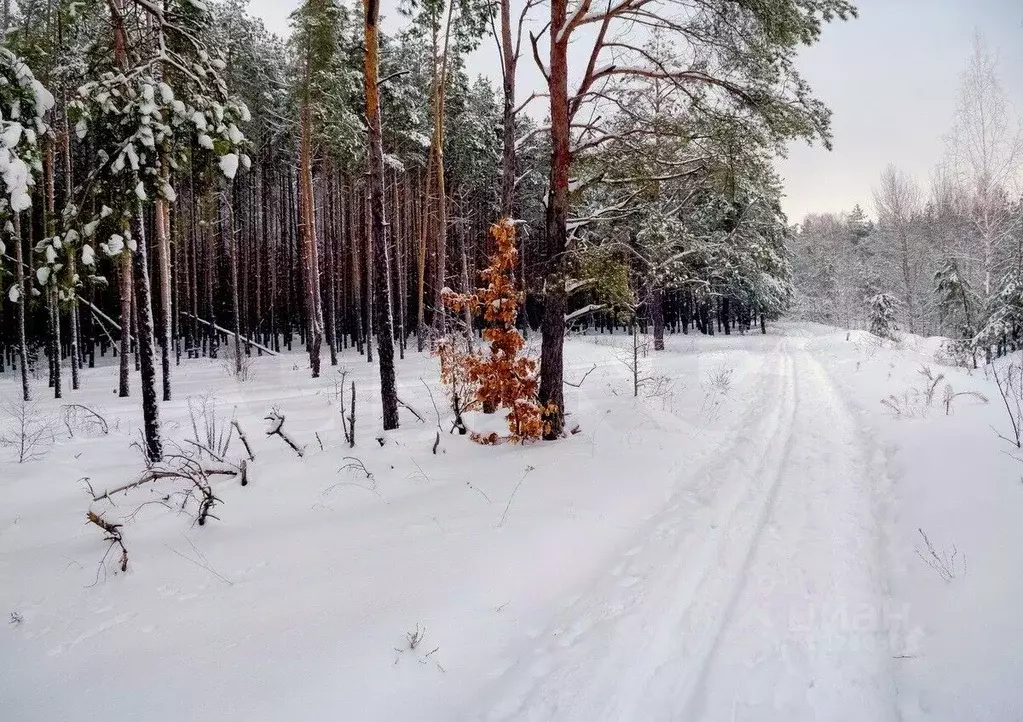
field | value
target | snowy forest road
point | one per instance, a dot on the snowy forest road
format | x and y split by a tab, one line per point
756	593
710	548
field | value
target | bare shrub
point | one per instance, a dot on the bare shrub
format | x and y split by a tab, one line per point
27	430
212	434
663	388
83	420
413	645
240	368
634	359
1010	387
720	380
947	563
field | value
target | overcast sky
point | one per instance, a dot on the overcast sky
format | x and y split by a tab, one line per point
891	78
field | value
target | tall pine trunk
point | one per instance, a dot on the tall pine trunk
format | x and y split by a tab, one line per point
657	317
307	227
378	225
54	308
163	265
439	312
510	59
124	284
552	369
22	301
232	244
146	345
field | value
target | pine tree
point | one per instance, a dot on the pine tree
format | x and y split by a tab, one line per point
883	313
378	224
24	103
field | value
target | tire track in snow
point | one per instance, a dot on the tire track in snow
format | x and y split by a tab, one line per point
637	644
813	640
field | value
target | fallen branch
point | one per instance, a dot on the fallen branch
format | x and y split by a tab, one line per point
248	341
201	483
99	322
414	412
113	535
155	474
578	313
99	314
245	441
209	451
355	464
569	383
276	420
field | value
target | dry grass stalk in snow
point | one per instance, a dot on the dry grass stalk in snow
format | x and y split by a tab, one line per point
951	395
932	383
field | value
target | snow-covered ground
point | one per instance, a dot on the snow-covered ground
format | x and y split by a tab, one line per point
738	543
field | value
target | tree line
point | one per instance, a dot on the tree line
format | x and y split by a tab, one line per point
179	182
947	259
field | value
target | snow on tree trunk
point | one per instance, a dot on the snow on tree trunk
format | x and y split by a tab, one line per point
124	284
54	309
146	345
232	244
314	316
22	300
163	265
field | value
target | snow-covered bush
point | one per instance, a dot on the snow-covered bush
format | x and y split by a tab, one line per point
956	298
26	430
883	310
1004	314
956	352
